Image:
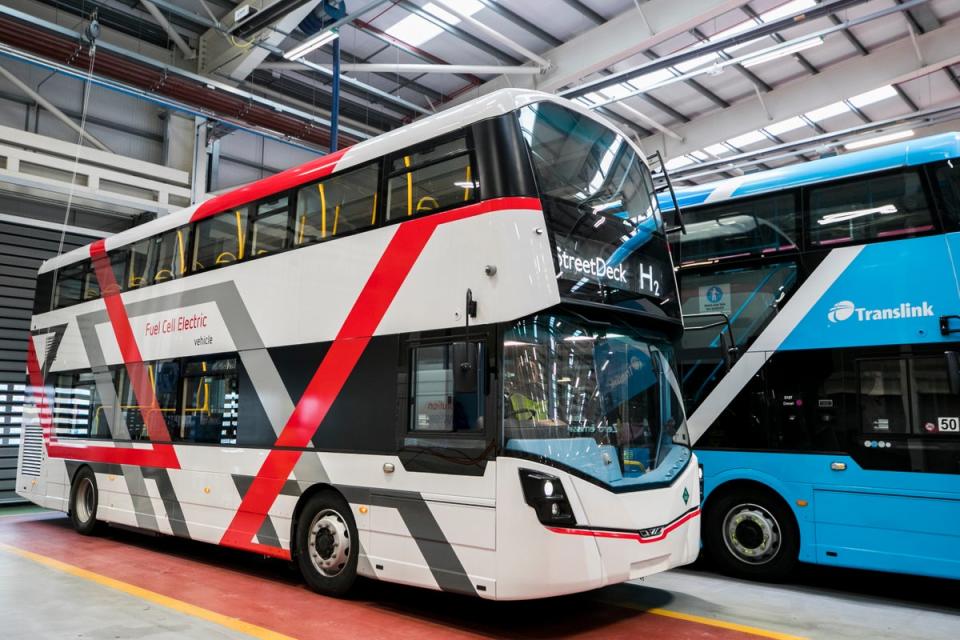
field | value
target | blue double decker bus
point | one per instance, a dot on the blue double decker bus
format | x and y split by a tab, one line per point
820	366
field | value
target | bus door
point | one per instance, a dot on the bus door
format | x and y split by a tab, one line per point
882	463
438	515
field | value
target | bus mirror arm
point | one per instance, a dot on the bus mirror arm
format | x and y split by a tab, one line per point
673	196
945	328
728	344
953	371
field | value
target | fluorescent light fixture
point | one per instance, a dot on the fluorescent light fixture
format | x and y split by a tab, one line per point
314	43
870	97
579	339
870	142
786	51
796	122
517	343
844	216
465	185
414	30
648	80
829	111
751	137
615	204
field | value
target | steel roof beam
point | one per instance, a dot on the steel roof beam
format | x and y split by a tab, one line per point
891	64
626	35
755	33
521	22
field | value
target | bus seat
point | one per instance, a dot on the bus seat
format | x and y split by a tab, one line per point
163	275
427	203
225	258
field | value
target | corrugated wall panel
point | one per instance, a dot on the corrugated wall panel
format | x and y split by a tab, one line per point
22	249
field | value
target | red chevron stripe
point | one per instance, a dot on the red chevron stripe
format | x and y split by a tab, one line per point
360	324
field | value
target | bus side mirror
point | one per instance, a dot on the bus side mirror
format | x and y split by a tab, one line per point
953	371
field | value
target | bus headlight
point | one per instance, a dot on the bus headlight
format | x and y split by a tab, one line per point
545	494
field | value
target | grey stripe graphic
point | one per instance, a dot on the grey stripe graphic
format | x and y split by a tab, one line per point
142	504
178	524
770	339
437	551
268	534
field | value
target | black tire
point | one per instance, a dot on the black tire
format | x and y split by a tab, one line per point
84	499
751	533
327	544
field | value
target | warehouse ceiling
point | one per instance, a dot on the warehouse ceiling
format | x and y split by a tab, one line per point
720	87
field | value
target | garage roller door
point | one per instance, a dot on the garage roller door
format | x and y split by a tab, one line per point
22	248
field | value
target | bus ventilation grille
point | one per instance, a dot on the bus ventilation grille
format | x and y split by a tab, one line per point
31	455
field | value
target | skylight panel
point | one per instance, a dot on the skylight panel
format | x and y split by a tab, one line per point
690	65
414	30
700	155
717	149
787	9
786	51
469	7
749	138
648	80
678	163
829	111
870	97
783	126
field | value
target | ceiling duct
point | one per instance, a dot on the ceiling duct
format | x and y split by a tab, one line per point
255	15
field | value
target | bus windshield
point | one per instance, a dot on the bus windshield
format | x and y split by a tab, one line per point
598	398
597	196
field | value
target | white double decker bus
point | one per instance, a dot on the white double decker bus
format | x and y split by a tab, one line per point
442	357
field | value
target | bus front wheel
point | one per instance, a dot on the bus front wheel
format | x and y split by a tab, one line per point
751	533
84	499
328	544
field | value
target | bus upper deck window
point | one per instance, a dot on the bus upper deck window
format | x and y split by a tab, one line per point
69	287
431	179
270	226
171	255
139	264
220	240
872	208
341	204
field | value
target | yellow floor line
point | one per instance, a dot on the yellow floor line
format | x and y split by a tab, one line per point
151	596
723	624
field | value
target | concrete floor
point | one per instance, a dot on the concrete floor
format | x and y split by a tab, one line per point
57	584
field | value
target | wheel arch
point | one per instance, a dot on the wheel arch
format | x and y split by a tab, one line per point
304	498
733	485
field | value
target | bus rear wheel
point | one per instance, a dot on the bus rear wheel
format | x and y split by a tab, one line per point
84	499
328	544
751	533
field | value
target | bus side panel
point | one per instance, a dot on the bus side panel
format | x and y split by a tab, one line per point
906	533
788	475
884	520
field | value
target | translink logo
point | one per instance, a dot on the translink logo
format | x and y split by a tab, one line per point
846	309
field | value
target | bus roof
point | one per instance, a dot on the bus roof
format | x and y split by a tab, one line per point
489	106
892	156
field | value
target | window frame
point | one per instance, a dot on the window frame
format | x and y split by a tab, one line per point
408	438
387	160
254	215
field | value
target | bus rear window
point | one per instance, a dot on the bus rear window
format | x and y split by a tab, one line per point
869	208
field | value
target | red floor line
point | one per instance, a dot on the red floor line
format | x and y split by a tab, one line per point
265	593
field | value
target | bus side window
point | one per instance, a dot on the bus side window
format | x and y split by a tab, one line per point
947	177
220	240
139	265
869	208
270	227
447	387
171	255
431	179
210	395
883	397
69	287
43	293
343	203
117	261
